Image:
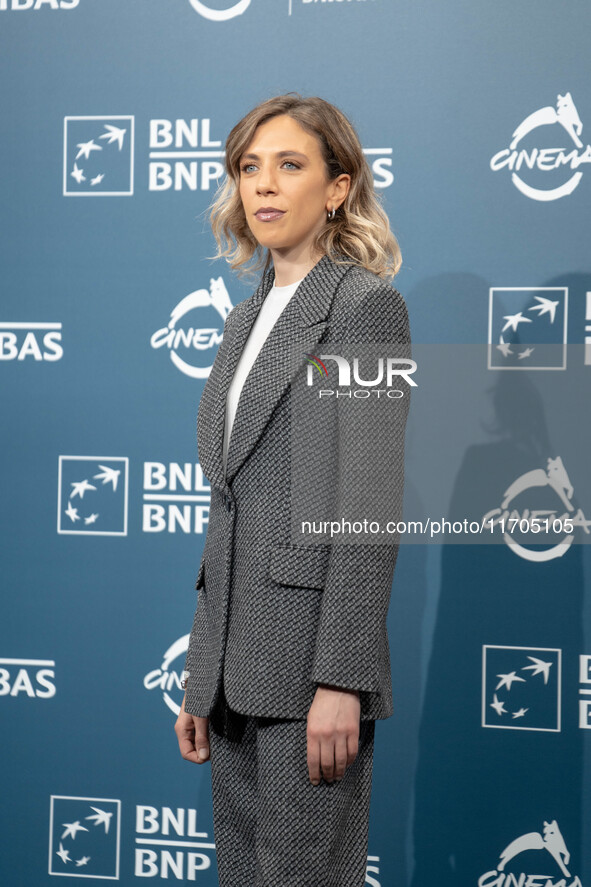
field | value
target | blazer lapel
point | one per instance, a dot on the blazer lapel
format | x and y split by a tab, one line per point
212	406
297	330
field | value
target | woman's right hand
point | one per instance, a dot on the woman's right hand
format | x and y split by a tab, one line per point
192	735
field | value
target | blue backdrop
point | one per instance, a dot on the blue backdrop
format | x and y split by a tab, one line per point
474	118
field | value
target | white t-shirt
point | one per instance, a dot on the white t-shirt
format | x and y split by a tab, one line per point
275	301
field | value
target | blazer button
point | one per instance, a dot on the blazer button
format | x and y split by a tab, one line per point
227	502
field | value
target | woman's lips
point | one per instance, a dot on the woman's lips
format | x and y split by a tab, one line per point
269	215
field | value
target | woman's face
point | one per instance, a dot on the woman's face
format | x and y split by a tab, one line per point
284	189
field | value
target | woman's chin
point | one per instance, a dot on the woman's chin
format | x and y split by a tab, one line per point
274	243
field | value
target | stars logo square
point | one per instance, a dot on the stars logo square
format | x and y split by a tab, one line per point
521	688
527	328
98	156
92	497
84	837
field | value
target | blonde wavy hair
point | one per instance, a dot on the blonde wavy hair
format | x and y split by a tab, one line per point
360	231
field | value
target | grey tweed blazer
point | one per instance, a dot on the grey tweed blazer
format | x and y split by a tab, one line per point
274	619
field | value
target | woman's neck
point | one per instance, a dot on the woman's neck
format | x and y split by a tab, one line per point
291	268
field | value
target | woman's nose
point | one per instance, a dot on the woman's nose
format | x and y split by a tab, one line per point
266	181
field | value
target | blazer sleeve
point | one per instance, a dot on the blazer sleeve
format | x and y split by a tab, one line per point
358	581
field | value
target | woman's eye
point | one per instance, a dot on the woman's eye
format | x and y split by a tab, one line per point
249	167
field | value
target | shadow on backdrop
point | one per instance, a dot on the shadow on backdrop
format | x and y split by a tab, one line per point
494	802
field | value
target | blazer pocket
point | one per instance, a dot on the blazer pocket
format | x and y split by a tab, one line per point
300	567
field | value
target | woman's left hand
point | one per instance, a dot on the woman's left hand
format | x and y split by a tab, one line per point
333	732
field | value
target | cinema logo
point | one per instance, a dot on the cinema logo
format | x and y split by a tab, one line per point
551	853
193	334
537	508
31	341
167	678
540	164
220	15
176	498
389	370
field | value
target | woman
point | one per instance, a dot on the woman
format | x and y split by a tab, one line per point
288	663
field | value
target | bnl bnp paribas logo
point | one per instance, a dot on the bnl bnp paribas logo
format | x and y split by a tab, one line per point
521	688
183	155
85	840
34	678
92	495
98	156
84	837
22	5
31	341
546	171
527	328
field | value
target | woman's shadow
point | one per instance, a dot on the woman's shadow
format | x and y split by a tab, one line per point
479	791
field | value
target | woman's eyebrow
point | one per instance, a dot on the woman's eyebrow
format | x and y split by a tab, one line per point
278	154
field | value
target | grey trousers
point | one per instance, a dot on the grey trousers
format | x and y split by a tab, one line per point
272	827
